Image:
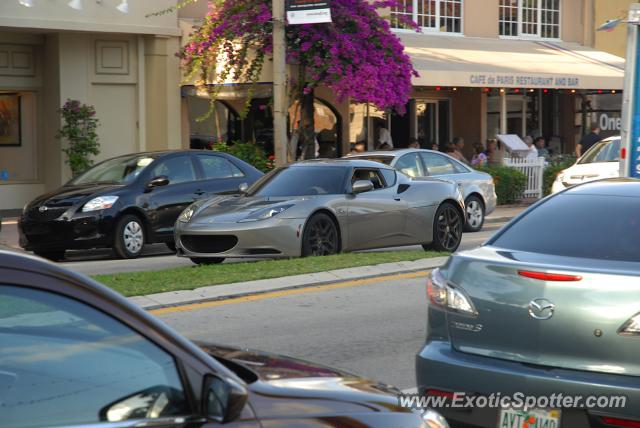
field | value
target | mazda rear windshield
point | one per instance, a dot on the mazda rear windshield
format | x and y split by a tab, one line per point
122	170
585	226
302	181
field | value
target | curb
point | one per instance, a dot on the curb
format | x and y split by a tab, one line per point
492	220
243	289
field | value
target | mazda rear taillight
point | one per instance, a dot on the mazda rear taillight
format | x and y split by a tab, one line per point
618	422
443	295
544	276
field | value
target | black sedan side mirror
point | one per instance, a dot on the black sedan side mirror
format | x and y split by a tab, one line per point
224	399
362	186
160	181
242	188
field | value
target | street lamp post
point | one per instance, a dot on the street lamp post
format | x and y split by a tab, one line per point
630	129
630	132
280	104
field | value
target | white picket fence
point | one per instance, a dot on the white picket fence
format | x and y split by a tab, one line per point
533	169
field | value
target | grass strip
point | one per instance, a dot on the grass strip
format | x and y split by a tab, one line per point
191	277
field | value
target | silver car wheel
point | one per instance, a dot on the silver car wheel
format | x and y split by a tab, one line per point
474	214
133	237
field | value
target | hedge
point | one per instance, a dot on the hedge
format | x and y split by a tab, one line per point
510	183
248	152
551	172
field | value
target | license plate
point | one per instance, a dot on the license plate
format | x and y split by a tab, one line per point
533	418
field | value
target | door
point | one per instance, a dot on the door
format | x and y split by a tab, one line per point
219	175
164	204
427	123
376	218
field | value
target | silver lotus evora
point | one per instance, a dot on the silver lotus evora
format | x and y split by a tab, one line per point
323	207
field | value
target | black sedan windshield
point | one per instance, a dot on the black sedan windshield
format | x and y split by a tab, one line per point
122	170
299	181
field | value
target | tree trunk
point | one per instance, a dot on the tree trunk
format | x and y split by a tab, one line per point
307	126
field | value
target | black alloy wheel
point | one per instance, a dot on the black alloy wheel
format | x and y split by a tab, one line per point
320	237
447	229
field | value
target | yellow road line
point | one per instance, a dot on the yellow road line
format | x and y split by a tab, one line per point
290	292
10	222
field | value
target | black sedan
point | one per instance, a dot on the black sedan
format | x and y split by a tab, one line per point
128	201
75	353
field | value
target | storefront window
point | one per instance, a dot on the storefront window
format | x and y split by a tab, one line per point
435	15
327	128
603	110
530	18
221	125
358	128
18	139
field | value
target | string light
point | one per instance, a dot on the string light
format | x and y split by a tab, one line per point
437	88
545	90
613	91
502	90
455	89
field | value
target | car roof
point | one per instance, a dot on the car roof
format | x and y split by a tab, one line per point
340	163
159	153
625	187
390	153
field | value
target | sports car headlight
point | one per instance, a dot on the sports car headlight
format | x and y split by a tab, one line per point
99	203
265	213
186	215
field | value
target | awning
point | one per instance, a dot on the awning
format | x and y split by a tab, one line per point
481	62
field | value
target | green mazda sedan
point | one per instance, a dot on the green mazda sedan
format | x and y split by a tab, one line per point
540	326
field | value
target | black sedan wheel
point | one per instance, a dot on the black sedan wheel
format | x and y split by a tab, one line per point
129	240
320	237
207	260
447	229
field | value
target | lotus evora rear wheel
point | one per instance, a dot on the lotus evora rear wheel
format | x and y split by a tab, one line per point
447	229
475	214
320	237
207	260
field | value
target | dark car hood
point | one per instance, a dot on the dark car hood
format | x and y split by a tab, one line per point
68	196
314	387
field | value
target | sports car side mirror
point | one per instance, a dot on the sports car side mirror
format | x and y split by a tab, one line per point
361	186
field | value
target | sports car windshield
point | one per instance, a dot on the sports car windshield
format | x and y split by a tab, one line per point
122	170
302	181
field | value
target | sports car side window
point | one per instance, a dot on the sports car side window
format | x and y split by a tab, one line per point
65	363
372	175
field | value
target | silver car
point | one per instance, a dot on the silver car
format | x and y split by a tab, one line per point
321	208
477	187
549	305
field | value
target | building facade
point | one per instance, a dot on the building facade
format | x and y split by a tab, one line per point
526	67
122	63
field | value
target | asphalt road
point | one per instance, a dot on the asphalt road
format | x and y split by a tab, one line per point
99	262
371	330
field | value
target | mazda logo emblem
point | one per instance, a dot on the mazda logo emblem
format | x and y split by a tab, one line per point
43	208
541	309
